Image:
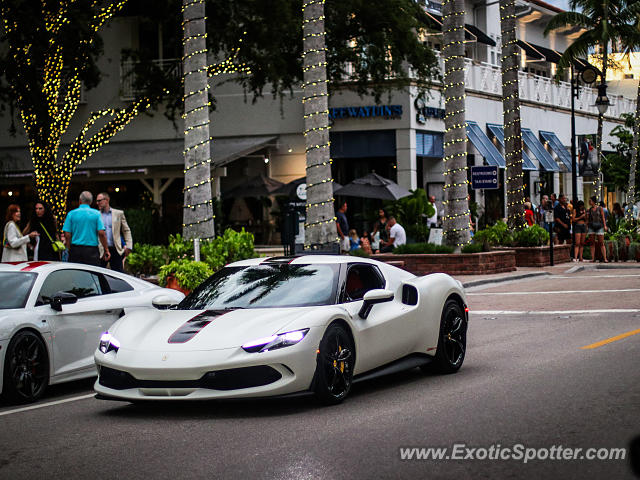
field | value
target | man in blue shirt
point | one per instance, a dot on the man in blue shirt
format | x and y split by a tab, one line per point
83	229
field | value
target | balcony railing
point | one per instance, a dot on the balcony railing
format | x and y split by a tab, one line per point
128	92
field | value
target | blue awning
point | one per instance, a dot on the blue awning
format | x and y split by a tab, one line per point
498	132
538	150
485	146
558	148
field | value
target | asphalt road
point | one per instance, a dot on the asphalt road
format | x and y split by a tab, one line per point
526	380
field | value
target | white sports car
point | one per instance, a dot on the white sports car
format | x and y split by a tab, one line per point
51	316
264	327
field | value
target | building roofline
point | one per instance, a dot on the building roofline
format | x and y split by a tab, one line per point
546	5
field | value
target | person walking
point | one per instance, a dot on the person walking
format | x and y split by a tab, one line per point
342	225
579	221
596	226
83	230
44	224
116	229
562	219
397	236
528	214
14	243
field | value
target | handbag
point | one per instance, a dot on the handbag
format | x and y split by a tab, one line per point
57	245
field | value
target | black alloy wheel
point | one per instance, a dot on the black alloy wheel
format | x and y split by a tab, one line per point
452	341
26	368
334	366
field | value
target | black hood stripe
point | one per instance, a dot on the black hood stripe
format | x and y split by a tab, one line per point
192	326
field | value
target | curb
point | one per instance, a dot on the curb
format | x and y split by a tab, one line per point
476	283
603	266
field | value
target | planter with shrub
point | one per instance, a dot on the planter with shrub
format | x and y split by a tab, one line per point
184	275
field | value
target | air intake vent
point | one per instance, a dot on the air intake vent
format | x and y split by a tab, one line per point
409	295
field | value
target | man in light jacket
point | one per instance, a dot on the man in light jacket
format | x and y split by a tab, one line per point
116	228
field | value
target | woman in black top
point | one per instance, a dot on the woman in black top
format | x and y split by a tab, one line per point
42	221
380	225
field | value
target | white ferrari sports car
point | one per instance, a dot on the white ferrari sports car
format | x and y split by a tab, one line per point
51	316
265	327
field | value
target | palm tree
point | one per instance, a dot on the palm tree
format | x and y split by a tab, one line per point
320	228
198	219
456	205
604	22
511	116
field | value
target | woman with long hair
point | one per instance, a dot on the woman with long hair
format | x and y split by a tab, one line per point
14	243
42	221
596	227
579	221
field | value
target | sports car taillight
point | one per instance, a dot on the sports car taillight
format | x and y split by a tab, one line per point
275	341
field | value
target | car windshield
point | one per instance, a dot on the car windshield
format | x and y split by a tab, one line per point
264	286
15	288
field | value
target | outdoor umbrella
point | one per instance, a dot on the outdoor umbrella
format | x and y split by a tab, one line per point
258	186
373	185
289	188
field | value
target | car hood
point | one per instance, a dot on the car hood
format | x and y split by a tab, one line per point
189	330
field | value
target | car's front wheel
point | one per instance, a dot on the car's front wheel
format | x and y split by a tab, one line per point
452	341
334	366
26	368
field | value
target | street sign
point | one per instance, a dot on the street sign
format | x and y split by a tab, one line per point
548	216
435	236
484	178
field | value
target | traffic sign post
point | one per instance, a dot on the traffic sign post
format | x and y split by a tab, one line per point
484	178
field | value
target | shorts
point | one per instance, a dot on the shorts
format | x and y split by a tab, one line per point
563	234
579	228
600	231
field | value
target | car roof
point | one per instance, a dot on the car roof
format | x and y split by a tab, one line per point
304	259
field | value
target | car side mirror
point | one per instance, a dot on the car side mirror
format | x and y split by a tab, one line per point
62	298
372	297
163	302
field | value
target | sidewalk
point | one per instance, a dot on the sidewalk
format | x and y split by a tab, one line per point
529	272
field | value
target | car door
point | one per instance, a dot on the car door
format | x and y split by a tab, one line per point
389	331
77	328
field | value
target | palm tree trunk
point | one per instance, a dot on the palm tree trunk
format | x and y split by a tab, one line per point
511	116
198	208
320	227
631	191
456	205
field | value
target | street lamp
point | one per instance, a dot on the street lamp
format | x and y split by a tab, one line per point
602	101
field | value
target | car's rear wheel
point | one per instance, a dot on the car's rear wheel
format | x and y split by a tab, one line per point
452	340
334	366
26	368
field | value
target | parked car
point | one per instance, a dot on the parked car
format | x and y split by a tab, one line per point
285	325
51	316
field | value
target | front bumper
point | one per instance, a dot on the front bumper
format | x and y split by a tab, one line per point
160	375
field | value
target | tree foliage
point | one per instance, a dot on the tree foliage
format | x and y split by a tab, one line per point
616	165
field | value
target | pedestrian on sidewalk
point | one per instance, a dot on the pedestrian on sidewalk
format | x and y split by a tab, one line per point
397	236
14	243
42	221
83	229
342	225
562	220
596	227
117	230
528	214
365	243
579	221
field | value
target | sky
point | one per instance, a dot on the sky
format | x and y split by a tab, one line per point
563	4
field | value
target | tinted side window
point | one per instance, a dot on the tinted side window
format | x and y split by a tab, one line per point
361	279
117	285
82	284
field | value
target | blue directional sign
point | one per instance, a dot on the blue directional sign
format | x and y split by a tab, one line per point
484	178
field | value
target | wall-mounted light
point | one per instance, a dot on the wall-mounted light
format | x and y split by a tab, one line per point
266	159
10	193
117	189
290	150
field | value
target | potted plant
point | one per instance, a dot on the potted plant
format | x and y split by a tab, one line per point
184	275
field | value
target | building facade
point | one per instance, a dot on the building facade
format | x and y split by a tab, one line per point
401	138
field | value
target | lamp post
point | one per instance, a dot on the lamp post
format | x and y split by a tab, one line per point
602	104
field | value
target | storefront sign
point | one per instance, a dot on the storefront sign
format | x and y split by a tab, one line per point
381	111
484	178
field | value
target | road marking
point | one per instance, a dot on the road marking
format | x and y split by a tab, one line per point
610	340
48	404
552	312
563	292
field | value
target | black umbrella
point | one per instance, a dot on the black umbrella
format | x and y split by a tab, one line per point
373	185
258	186
290	188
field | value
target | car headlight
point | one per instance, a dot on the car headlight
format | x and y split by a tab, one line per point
108	343
275	341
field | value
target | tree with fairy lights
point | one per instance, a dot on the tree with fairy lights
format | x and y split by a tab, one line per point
511	116
51	51
320	228
604	23
456	205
